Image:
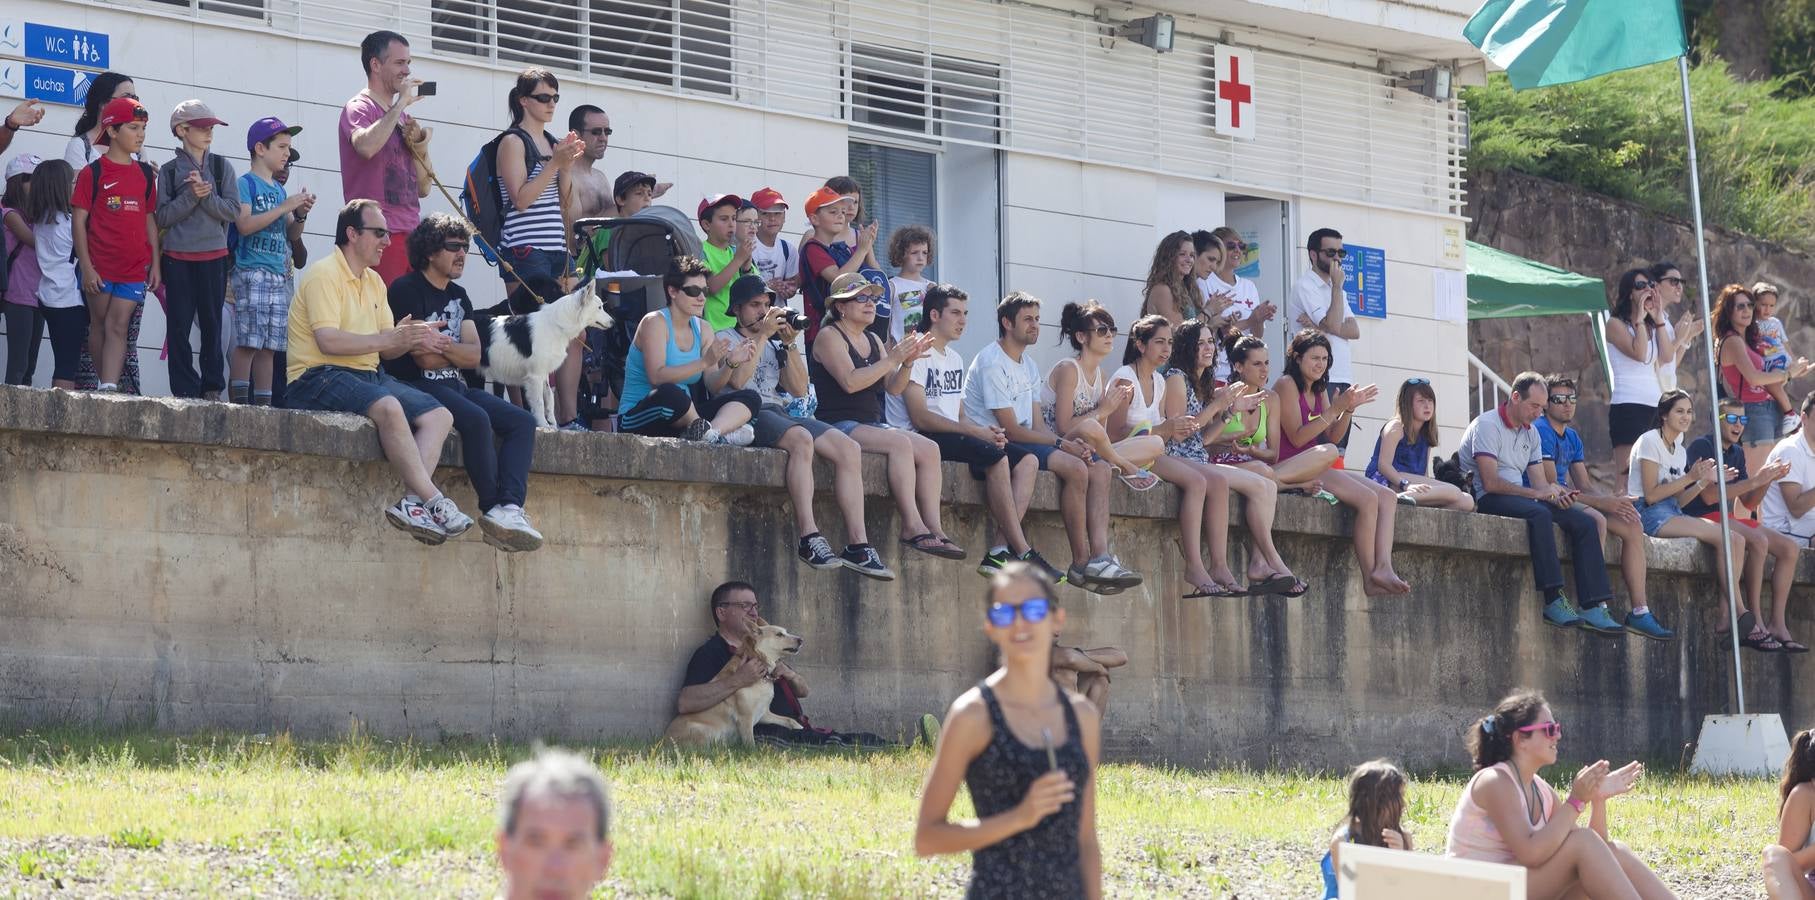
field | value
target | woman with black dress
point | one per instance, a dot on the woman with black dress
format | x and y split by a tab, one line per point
1027	750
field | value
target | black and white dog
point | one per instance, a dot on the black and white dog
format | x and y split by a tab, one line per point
523	351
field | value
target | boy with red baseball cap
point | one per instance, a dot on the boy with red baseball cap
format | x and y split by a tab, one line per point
726	257
775	258
116	238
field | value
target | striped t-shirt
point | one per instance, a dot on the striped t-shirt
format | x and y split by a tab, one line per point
540	226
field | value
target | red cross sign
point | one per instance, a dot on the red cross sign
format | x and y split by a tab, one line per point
1235	110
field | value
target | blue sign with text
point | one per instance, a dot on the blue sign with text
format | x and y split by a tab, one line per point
1364	278
54	84
68	46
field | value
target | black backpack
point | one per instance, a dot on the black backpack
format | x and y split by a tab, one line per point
151	178
482	195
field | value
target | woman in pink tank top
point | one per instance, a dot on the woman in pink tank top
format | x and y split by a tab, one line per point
1309	420
1509	815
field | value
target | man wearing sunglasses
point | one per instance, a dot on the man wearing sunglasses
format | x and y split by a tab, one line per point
1565	464
589	190
497	438
1748	489
1320	303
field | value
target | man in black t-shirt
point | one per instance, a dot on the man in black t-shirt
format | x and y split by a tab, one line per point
733	608
496	438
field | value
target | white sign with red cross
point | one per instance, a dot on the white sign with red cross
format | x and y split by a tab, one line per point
1235	112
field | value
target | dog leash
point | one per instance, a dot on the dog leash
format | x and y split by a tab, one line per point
503	264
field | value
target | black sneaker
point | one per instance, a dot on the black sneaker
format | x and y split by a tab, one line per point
1033	558
862	559
816	552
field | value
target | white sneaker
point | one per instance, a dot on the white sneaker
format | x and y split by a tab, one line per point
741	436
506	528
448	516
411	516
1791	422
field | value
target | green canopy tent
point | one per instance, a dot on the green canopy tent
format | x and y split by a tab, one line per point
1504	286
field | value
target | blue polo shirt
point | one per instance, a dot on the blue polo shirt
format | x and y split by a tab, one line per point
1703	448
1564	449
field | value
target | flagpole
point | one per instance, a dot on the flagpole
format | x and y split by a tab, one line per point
1720	463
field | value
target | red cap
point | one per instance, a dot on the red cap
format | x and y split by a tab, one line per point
119	111
768	199
822	197
720	200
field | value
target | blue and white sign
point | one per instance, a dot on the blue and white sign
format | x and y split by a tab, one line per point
1364	278
51	84
53	44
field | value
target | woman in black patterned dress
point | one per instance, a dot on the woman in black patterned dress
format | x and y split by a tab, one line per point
1027	751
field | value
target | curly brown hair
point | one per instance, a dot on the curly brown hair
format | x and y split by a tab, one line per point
904	240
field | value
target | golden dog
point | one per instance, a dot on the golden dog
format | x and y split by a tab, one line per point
739	714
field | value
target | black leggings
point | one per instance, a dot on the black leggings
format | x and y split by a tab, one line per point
24	334
68	333
656	414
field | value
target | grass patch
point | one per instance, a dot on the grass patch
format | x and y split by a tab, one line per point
270	816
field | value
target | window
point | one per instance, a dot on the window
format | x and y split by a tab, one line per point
252	9
673	43
900	187
935	95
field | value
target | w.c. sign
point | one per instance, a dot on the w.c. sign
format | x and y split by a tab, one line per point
1235	111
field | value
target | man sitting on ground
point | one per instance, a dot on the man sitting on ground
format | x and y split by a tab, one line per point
733	610
1747	489
340	325
1505	454
935	407
497	439
1564	464
1002	390
773	365
554	828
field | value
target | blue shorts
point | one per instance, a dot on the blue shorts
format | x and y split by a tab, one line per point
1653	515
1041	452
849	425
133	291
338	389
1763	421
530	263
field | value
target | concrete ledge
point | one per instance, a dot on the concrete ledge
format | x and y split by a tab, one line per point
194	565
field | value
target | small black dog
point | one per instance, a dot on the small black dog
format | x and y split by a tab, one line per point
1450	471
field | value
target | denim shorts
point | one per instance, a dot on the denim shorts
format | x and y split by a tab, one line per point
1763	420
133	291
1041	452
1653	515
849	425
339	389
530	263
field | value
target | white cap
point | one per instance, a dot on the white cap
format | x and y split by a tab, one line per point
23	164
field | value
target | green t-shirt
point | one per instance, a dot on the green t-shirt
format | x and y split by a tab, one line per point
718	304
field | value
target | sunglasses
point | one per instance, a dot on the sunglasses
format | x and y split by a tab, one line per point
1733	419
1562	399
596	132
544	98
1235	246
750	605
692	290
1548	729
1339	253
1424	381
454	246
1673	280
1033	609
380	233
1104	331
865	298
1642	285
1742	305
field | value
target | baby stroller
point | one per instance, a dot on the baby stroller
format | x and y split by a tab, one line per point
638	249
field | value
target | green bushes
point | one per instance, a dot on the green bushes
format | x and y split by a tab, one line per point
1622	135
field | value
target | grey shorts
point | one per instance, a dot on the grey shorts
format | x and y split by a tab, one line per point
337	389
261	309
771	423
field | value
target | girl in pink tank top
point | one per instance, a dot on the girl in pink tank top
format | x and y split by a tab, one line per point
1509	815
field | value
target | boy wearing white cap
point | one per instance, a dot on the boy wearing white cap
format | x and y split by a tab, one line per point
196	204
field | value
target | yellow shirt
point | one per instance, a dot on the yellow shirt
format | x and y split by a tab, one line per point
328	296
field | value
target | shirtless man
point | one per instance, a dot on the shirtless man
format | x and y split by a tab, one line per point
589	188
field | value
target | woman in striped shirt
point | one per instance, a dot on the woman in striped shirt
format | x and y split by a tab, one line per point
530	163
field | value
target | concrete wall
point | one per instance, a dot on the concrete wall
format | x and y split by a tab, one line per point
193	566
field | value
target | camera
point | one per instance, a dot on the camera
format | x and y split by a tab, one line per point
795	319
426	89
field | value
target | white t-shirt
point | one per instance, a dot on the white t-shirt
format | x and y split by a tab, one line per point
994	381
60	287
779	261
1143	412
940	375
1311	297
1247	297
1672	462
1773	511
907	306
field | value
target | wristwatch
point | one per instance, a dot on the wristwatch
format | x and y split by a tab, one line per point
1057	443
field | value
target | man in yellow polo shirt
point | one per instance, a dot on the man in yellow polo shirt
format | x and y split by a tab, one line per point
340	326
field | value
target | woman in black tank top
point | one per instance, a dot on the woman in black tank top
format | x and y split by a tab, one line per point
1027	750
850	382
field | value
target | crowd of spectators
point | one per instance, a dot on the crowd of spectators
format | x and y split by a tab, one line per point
382	328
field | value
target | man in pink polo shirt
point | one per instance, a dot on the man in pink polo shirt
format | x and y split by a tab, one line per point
375	139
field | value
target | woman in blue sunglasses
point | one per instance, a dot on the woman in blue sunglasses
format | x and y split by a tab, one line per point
1026	749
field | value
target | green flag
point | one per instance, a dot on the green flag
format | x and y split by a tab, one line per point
1544	42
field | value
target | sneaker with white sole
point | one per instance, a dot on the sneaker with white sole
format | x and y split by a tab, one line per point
452	521
864	560
1790	422
412	517
506	528
741	436
697	430
816	551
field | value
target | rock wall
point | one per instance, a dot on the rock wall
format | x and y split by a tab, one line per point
1602	237
193	566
